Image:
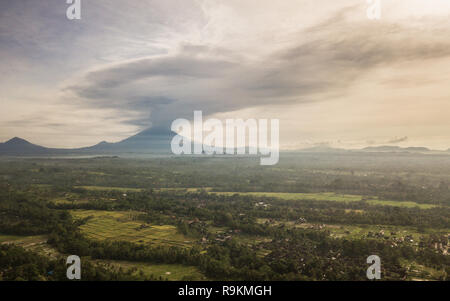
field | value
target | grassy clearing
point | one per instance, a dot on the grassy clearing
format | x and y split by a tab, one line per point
9	238
98	173
36	243
190	189
172	272
44	186
122	225
325	196
60	201
22	240
328	196
400	204
107	188
126	189
361	231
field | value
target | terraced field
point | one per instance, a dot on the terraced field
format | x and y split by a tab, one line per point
172	272
418	272
122	225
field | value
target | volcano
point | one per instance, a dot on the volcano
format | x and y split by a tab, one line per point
153	140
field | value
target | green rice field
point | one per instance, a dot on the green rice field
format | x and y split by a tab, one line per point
122	225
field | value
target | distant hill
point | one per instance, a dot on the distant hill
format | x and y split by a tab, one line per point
417	149
19	146
382	149
387	148
375	149
323	149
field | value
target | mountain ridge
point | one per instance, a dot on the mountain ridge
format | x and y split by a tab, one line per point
388	148
158	140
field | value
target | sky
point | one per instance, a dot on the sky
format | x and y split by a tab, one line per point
332	76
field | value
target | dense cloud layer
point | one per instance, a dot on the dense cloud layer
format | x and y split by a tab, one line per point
324	62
